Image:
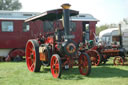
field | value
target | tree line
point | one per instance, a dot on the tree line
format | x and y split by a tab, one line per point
10	5
105	26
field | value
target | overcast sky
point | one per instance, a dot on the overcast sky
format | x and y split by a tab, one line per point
107	11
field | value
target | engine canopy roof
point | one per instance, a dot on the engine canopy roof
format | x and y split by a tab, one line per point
51	15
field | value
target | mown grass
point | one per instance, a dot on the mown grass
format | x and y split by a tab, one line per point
13	73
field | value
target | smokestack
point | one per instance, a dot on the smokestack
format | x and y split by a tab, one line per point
66	14
120	35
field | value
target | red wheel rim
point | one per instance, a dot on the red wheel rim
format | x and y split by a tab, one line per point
118	61
30	56
55	67
96	57
83	64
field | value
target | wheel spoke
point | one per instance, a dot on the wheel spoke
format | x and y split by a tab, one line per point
56	72
56	61
30	49
29	58
85	64
98	60
32	66
33	51
84	67
57	66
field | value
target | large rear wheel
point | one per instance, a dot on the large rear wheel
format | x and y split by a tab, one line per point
84	64
56	66
95	57
32	56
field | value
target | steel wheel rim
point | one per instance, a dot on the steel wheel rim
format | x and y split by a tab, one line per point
83	65
30	56
96	56
118	61
55	67
98	59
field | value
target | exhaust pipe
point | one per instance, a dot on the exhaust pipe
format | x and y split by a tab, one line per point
120	35
66	14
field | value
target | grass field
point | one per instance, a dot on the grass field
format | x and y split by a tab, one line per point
13	73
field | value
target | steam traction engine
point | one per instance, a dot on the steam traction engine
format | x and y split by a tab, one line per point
56	49
92	51
106	51
100	53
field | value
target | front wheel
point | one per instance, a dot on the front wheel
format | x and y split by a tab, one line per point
32	56
84	64
118	60
56	66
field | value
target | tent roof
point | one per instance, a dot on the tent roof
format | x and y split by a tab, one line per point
108	32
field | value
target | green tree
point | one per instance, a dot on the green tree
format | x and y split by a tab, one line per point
10	5
103	27
100	28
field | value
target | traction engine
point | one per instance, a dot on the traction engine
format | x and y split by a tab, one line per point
56	49
100	54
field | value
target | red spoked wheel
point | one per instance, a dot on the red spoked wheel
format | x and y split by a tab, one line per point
84	64
118	61
32	56
95	57
56	66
